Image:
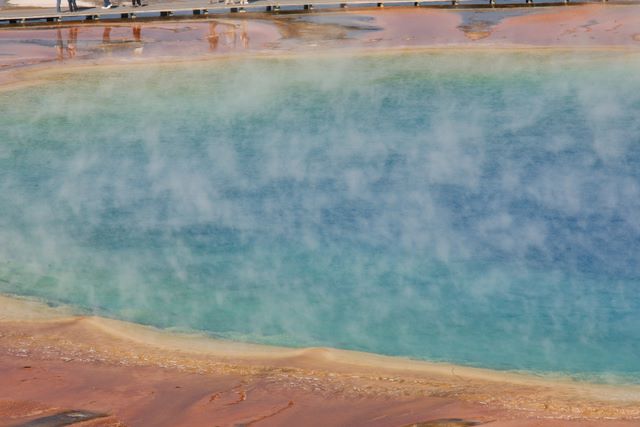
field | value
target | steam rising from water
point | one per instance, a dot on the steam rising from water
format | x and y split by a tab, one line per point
477	208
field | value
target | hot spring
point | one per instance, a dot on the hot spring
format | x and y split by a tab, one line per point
474	208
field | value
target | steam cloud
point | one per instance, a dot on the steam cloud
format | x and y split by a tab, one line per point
479	210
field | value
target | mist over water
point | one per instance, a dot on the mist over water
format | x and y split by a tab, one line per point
472	208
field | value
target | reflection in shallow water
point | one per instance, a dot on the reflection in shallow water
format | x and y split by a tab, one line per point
137	33
371	29
71	45
230	32
221	36
123	41
106	35
213	36
134	44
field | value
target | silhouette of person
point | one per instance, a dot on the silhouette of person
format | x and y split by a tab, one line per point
72	42
213	36
230	36
244	35
73	7
106	35
137	37
137	32
59	45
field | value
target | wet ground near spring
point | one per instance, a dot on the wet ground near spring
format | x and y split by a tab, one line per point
47	393
578	27
53	366
160	397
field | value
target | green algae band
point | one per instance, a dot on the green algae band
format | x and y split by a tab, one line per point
473	208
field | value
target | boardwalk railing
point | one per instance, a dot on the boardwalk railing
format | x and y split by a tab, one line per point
201	8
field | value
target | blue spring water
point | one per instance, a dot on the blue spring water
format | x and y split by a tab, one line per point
480	209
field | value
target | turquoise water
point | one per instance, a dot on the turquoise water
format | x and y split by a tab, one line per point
480	209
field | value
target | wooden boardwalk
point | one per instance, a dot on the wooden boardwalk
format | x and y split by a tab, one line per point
203	8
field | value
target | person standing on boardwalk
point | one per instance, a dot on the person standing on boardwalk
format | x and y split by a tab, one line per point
58	6
107	4
73	7
136	3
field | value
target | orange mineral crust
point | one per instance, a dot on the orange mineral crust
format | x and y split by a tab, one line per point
569	27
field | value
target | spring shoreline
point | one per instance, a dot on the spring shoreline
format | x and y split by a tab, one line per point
46	336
